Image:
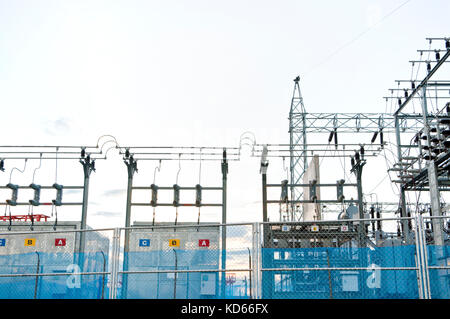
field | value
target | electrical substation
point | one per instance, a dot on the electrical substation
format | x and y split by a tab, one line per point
319	234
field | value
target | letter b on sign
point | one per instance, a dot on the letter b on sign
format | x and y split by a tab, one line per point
174	243
30	242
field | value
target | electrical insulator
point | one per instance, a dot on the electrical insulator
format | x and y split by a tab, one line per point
59	190
381	139
357	158
399	101
447	44
362	152
428	67
340	190
434	139
374	137
379	218
438	151
330	137
335	138
154	200
413	85
37	194
416	139
2	165
352	161
313	190
127	153
15	189
176	195
372	216
88	158
433	130
83	152
406	93
198	195
284	190
438	57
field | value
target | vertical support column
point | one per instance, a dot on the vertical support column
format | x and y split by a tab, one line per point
131	169
224	220
114	263
88	167
432	177
418	259
403	212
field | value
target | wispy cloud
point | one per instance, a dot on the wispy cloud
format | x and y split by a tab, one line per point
107	214
114	192
60	126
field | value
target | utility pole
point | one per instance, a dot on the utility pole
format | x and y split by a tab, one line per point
131	164
88	167
224	218
358	163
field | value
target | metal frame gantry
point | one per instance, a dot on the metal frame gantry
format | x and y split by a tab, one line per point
427	169
86	155
302	123
153	153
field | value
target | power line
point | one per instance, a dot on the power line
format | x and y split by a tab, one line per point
356	38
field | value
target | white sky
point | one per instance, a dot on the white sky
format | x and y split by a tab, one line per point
193	73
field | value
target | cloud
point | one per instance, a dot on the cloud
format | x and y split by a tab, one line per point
107	214
60	126
114	192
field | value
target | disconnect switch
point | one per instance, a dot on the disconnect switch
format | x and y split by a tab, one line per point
59	190
37	194
15	190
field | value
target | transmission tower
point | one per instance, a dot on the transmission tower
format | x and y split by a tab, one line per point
297	144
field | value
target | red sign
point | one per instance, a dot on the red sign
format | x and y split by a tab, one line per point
60	242
203	243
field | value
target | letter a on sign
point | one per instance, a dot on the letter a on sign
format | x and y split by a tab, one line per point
60	242
203	243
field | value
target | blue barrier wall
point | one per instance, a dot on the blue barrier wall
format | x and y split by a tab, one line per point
53	287
324	284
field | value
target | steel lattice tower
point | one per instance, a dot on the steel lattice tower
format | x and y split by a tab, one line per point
297	144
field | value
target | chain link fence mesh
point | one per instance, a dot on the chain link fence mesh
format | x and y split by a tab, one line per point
41	265
437	239
337	260
187	262
365	259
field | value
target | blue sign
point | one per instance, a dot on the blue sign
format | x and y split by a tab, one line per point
144	242
2	242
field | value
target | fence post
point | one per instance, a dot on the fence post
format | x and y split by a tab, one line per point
418	258
114	263
423	257
256	266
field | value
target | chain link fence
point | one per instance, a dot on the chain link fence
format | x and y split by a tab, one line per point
187	261
436	235
337	260
357	259
54	264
